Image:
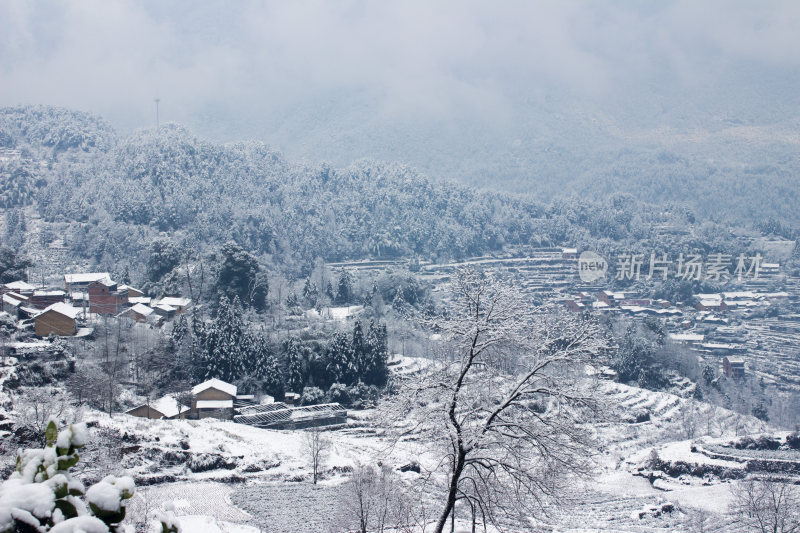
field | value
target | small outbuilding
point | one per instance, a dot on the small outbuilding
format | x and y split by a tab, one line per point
165	311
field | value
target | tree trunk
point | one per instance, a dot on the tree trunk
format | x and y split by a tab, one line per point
452	492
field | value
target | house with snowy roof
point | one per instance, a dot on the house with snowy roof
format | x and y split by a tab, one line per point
164	310
138	312
132	292
733	367
43	298
57	319
12	303
106	298
165	407
213	399
19	287
610	298
81	282
177	303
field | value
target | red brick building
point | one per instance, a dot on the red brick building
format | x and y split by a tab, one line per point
105	298
733	367
42	299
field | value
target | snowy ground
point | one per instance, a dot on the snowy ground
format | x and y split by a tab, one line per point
235	475
202	506
276	493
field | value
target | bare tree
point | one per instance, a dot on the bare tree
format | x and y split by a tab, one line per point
36	406
371	499
766	505
508	407
317	447
114	365
688	418
86	384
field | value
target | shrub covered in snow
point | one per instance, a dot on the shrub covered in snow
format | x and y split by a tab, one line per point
312	396
40	495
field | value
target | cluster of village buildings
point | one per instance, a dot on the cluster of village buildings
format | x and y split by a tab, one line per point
61	312
217	399
707	309
65	312
631	304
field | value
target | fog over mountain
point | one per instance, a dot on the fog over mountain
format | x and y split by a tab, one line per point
547	98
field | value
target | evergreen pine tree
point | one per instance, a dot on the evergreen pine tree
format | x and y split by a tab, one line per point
294	365
340	363
359	351
310	292
399	303
329	292
345	294
200	340
376	370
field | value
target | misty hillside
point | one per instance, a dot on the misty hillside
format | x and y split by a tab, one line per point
659	142
110	195
669	102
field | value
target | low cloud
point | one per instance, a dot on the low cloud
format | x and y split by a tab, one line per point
459	60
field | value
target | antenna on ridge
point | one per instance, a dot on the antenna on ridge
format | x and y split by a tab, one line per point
157	100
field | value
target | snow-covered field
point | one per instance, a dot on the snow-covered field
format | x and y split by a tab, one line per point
222	476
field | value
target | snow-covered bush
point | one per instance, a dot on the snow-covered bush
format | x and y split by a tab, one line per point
40	495
312	396
339	393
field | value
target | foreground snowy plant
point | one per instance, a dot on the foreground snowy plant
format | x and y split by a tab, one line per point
165	521
41	495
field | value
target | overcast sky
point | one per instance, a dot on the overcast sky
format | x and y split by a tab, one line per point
223	61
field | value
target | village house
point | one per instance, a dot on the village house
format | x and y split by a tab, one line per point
19	287
132	292
105	298
712	305
164	311
291	398
213	399
138	312
568	254
733	367
609	298
12	303
574	305
80	282
178	304
58	319
166	407
42	299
